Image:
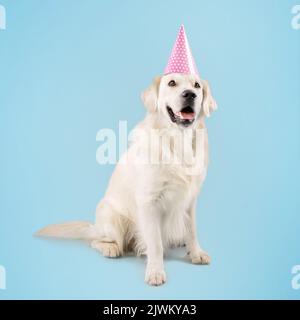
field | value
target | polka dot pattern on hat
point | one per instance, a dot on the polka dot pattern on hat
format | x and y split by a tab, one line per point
181	59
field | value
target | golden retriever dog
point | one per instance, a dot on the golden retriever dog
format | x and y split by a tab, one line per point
150	202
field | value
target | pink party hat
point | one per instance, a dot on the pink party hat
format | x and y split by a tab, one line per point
181	59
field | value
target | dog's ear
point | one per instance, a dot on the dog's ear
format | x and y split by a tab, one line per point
208	104
150	95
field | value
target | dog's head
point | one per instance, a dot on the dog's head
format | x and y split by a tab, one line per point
182	99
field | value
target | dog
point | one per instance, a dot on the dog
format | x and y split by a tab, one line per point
151	205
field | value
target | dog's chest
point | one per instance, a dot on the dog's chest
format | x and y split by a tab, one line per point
176	199
177	196
178	188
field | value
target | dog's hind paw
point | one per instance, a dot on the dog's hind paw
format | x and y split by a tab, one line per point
108	249
199	257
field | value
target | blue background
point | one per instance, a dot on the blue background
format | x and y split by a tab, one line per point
69	68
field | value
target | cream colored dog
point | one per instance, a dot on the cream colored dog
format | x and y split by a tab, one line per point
150	202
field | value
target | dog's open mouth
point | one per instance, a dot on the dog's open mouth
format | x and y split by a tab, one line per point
184	117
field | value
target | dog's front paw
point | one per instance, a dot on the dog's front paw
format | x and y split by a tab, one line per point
155	276
199	257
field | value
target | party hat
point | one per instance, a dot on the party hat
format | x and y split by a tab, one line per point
181	59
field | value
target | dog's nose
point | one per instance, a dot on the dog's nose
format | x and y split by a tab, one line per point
188	94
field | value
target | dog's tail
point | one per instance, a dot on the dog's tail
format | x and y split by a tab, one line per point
77	230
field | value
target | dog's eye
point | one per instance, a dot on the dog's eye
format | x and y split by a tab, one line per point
172	83
197	85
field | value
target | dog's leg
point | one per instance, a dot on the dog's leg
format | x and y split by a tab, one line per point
194	251
111	229
151	231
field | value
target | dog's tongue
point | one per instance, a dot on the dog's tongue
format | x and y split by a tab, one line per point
185	115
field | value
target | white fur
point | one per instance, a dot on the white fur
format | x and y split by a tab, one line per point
150	206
